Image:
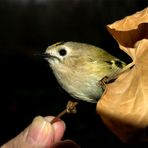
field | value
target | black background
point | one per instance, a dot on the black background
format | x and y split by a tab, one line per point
27	85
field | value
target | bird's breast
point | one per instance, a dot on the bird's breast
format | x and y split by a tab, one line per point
80	84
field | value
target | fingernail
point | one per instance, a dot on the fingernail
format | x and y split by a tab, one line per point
40	132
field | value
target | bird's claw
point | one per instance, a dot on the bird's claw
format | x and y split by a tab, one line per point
71	107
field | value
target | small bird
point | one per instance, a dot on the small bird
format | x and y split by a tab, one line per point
79	68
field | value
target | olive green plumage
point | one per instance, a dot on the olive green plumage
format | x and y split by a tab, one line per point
79	67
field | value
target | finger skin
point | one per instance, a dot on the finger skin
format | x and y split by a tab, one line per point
41	133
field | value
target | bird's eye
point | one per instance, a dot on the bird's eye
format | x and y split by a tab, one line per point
62	52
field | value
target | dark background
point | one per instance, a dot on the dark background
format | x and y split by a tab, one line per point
28	87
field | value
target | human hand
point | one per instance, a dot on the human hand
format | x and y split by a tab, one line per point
41	133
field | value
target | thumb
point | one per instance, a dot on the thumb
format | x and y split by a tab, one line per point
41	133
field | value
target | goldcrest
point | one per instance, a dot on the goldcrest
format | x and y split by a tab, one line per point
79	68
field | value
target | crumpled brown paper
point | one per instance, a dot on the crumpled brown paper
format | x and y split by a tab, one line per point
124	105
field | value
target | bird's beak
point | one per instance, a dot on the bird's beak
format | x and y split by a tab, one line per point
43	55
46	55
